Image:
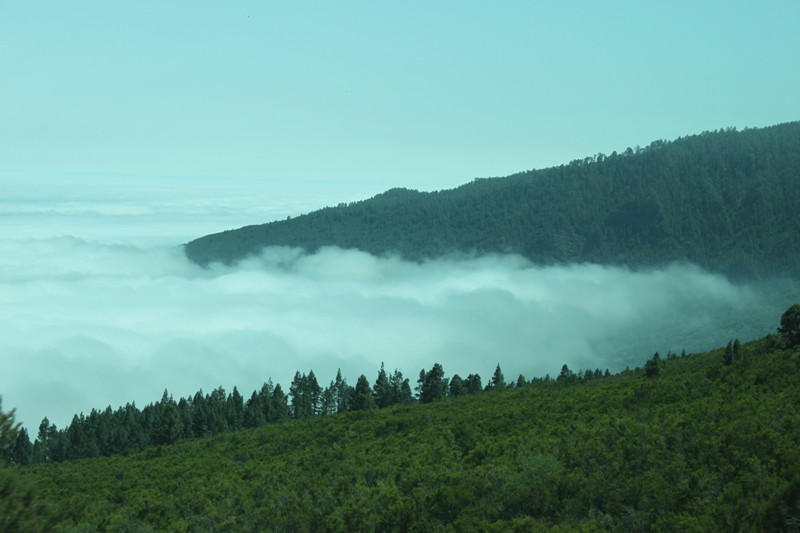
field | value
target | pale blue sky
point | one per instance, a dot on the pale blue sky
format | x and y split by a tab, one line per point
420	94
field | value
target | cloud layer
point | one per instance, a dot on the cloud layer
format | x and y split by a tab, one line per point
85	324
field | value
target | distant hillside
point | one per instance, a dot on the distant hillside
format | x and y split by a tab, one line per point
724	200
705	442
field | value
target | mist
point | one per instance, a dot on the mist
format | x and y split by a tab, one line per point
86	324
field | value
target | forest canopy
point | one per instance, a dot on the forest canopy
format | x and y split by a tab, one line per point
724	200
690	442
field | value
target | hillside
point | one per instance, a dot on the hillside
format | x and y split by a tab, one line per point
724	200
686	444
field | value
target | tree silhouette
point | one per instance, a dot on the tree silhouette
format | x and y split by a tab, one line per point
790	325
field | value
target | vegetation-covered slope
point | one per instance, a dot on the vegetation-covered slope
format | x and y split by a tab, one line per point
725	200
705	442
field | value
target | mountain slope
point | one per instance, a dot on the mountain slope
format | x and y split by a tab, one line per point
724	200
701	446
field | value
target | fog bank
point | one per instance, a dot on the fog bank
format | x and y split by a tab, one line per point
85	324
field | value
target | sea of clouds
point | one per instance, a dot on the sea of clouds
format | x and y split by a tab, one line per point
110	311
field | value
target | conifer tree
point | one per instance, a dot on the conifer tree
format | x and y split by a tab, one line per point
433	384
566	375
790	325
341	393
362	396
473	384
400	387
457	386
8	428
498	381
279	407
652	368
298	396
382	389
21	451
727	357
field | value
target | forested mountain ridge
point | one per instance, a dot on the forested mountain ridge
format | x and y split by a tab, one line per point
724	200
705	442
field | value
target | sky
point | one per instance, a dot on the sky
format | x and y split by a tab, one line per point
378	94
127	129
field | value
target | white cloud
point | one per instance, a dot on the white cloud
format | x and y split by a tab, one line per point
85	324
98	305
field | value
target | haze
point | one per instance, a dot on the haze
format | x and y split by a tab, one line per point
126	130
89	320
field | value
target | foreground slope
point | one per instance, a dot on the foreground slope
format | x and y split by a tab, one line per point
704	446
724	200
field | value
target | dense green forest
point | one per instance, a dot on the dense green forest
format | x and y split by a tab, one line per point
699	442
724	200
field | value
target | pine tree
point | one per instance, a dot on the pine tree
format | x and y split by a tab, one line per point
234	407
727	357
790	325
362	396
566	375
341	393
279	407
200	426
457	386
21	451
382	390
433	384
473	384
652	368
327	401
498	381
405	395
254	412
400	387
43	446
8	429
314	391
298	396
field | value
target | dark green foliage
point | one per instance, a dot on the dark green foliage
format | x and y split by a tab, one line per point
498	381
8	428
566	375
790	325
727	357
652	368
362	398
20	508
382	390
473	384
724	200
705	447
732	352
400	388
21	450
305	394
433	384
457	386
341	392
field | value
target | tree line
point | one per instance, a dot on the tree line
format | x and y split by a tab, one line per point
128	428
724	200
701	443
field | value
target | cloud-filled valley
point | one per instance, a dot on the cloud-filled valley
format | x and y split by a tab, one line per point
85	324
